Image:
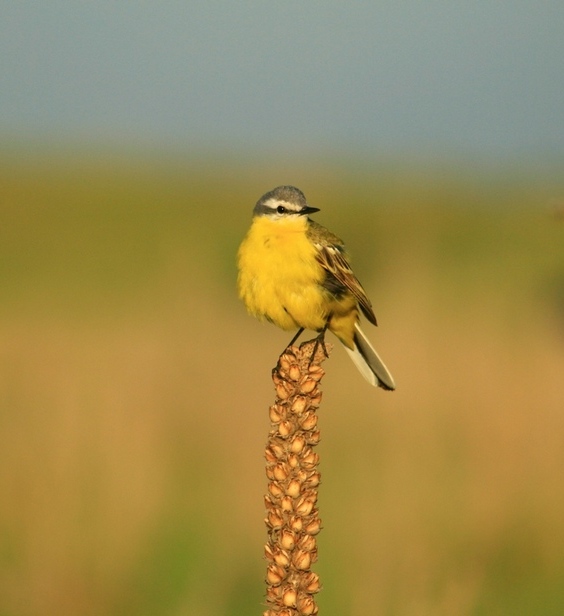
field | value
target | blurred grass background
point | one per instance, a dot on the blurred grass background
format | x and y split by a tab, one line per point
134	389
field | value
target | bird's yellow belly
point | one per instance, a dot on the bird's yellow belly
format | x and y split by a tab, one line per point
280	278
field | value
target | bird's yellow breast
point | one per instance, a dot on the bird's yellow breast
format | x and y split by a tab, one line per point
279	275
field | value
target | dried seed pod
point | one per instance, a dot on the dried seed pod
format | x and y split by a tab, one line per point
275	489
281	471
301	559
285	428
287	539
313	438
296	523
274	520
294	372
270	455
308	421
283	391
306	606
308	385
277	413
293	488
313	479
307	543
297	443
275	574
289	596
278	450
293	460
281	558
310	582
316	372
315	401
287	504
314	526
310	460
304	506
299	405
273	594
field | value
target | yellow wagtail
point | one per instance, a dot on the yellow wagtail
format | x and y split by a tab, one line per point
296	274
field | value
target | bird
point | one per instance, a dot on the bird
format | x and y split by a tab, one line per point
296	274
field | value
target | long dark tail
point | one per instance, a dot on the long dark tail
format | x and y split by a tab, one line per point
369	363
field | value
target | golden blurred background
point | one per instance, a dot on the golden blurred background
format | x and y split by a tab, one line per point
134	390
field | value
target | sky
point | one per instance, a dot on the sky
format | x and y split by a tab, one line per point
476	77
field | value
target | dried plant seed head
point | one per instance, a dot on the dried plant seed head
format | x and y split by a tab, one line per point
292	518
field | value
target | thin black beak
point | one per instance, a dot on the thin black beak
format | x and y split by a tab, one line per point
309	210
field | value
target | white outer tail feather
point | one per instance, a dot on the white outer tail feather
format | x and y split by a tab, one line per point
369	363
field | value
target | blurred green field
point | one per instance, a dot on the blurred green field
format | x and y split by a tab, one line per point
134	390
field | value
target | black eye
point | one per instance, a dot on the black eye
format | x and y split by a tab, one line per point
281	209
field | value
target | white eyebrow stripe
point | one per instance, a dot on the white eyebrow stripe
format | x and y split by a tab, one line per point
273	203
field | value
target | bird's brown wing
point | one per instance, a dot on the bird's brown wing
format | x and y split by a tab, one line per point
339	273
